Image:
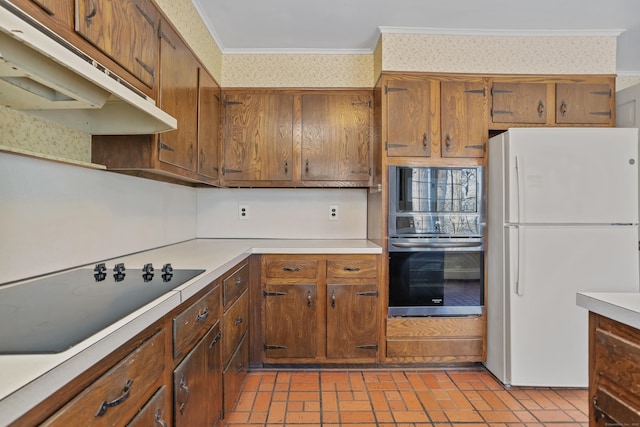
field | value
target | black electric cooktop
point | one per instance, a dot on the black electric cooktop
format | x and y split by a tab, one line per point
52	314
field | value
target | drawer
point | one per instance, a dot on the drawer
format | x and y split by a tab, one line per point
156	412
437	348
115	397
436	327
234	376
235	323
235	285
291	268
352	267
191	325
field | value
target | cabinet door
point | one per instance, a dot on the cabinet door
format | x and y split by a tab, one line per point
155	412
208	125
290	320
463	116
335	137
258	142
61	10
352	321
179	98
519	102
409	129
126	30
197	384
584	103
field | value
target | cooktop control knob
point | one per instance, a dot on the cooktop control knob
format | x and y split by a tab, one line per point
147	272
167	272
100	272
118	272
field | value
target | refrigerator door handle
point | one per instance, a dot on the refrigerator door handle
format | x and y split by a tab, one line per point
519	253
518	188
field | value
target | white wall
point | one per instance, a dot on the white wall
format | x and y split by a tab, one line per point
55	216
282	213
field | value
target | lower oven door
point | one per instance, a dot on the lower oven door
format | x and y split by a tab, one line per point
436	281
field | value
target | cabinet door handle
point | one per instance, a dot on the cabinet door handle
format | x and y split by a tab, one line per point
286	167
202	315
159	419
216	339
447	142
292	269
540	108
185	387
309	298
124	396
563	108
424	140
333	299
306	166
91	14
347	268
239	368
238	321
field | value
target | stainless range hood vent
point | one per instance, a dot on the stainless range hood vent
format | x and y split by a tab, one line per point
44	75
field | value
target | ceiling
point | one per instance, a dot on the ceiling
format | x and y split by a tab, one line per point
352	26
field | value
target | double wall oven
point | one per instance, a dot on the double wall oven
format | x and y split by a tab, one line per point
436	241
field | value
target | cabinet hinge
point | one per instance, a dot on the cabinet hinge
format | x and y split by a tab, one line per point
163	146
274	347
601	113
388	89
368	346
601	92
368	294
146	17
494	112
265	293
225	103
494	91
164	37
482	147
369	171
482	91
226	171
362	104
387	146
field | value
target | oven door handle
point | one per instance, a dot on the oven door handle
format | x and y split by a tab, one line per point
436	245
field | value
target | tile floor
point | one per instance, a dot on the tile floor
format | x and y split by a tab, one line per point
411	398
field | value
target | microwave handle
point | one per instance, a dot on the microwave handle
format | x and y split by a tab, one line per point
435	245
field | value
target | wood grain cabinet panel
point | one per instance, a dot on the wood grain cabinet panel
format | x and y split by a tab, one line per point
335	137
584	103
519	102
464	129
410	131
234	375
126	30
235	284
235	323
156	412
209	111
258	144
115	397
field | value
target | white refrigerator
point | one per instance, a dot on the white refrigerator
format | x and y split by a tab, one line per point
562	218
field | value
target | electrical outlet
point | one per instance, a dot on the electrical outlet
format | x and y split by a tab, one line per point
333	213
243	211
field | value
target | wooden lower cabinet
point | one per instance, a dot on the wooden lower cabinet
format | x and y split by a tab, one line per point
320	309
614	373
156	411
436	339
235	374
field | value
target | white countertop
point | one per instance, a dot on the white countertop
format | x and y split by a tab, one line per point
623	307
30	379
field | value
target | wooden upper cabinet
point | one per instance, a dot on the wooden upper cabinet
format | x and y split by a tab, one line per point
179	98
60	10
258	140
464	130
408	119
519	102
584	103
209	100
335	137
125	30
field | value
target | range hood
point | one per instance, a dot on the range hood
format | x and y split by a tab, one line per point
44	75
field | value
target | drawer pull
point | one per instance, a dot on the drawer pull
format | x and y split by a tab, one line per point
309	298
347	268
202	315
239	368
216	339
333	299
159	419
185	387
125	395
293	269
238	321
239	281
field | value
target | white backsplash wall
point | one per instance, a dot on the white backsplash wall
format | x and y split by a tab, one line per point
291	213
55	216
